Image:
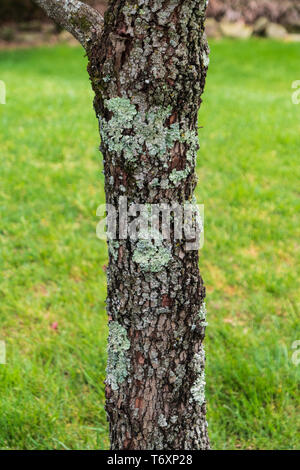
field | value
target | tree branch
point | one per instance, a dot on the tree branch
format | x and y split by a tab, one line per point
78	18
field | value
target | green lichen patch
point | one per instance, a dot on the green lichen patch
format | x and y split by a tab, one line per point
118	362
131	133
151	258
202	314
113	247
115	132
151	253
177	176
157	137
191	138
162	422
198	388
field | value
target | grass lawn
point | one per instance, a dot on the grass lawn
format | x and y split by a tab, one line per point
51	389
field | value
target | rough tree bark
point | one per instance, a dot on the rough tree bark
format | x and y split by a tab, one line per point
147	64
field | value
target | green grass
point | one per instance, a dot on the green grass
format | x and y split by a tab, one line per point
51	389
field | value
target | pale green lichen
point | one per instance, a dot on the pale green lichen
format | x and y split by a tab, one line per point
112	131
162	422
198	388
205	59
157	137
155	182
113	247
174	419
177	176
130	132
150	257
165	14
202	314
191	138
118	362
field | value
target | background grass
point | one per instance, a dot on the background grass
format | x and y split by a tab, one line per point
51	389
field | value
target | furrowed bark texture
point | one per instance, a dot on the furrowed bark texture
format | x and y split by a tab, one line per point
148	75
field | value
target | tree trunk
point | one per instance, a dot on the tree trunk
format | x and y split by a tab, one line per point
148	73
148	79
